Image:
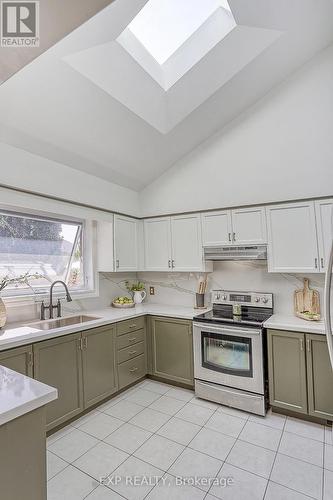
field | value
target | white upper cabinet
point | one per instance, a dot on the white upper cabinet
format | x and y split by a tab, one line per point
186	241
249	226
125	243
105	262
324	210
234	227
157	243
174	244
216	228
292	238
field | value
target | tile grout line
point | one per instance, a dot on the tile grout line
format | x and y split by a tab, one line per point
202	426
224	461
185	447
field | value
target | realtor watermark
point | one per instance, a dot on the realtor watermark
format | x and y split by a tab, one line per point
165	481
19	23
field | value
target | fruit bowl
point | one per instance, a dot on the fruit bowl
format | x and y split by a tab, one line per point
123	302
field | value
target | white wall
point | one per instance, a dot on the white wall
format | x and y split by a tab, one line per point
19	168
280	149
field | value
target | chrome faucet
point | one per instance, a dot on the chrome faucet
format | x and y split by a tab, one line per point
50	307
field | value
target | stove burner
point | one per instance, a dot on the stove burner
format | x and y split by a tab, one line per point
249	315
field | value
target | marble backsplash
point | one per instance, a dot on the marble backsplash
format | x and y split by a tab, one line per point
179	288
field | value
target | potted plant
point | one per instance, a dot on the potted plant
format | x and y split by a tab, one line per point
137	290
5	281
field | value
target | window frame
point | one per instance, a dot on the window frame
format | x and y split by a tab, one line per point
88	242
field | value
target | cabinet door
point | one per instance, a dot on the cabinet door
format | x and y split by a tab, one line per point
320	377
216	228
172	349
105	261
99	367
58	363
292	238
287	370
126	243
20	360
249	226
157	240
324	210
186	243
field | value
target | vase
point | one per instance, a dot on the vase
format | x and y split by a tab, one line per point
3	313
139	295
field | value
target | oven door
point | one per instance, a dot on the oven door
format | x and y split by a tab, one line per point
230	356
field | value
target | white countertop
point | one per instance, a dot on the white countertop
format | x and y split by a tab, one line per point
20	394
25	333
294	324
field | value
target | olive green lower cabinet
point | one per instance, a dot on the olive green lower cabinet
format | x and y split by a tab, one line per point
99	366
19	359
172	349
320	377
131	351
81	366
23	457
300	374
58	363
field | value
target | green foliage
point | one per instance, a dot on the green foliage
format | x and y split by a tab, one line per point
29	229
23	278
137	286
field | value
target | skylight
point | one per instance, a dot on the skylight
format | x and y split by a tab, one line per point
162	26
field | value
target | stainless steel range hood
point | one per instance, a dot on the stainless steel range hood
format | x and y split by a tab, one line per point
245	252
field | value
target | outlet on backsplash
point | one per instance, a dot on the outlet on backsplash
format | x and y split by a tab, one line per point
151	290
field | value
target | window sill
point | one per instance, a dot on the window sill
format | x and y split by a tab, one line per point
14	300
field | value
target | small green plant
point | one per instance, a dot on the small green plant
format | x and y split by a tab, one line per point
137	286
23	278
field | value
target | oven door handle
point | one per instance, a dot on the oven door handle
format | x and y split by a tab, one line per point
223	330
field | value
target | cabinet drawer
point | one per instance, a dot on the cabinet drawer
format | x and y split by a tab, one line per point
129	339
130	325
130	352
131	370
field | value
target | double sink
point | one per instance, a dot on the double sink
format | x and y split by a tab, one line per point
52	324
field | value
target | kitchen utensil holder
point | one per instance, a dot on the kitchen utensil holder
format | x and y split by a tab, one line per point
200	300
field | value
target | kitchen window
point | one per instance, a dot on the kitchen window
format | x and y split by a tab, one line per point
53	248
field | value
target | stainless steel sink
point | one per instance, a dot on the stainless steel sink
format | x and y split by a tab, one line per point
61	322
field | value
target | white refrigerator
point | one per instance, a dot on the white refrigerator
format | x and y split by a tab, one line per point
327	302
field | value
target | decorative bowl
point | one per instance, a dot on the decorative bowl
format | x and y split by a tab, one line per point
123	306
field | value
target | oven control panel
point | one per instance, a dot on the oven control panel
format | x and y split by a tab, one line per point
258	299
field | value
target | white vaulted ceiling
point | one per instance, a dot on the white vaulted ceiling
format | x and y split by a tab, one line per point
104	101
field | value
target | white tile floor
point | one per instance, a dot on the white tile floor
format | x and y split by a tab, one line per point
160	433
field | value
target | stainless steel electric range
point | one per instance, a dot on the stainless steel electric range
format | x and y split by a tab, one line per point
229	350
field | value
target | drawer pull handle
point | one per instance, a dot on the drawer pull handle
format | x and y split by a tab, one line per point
133	325
133	370
132	339
132	352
